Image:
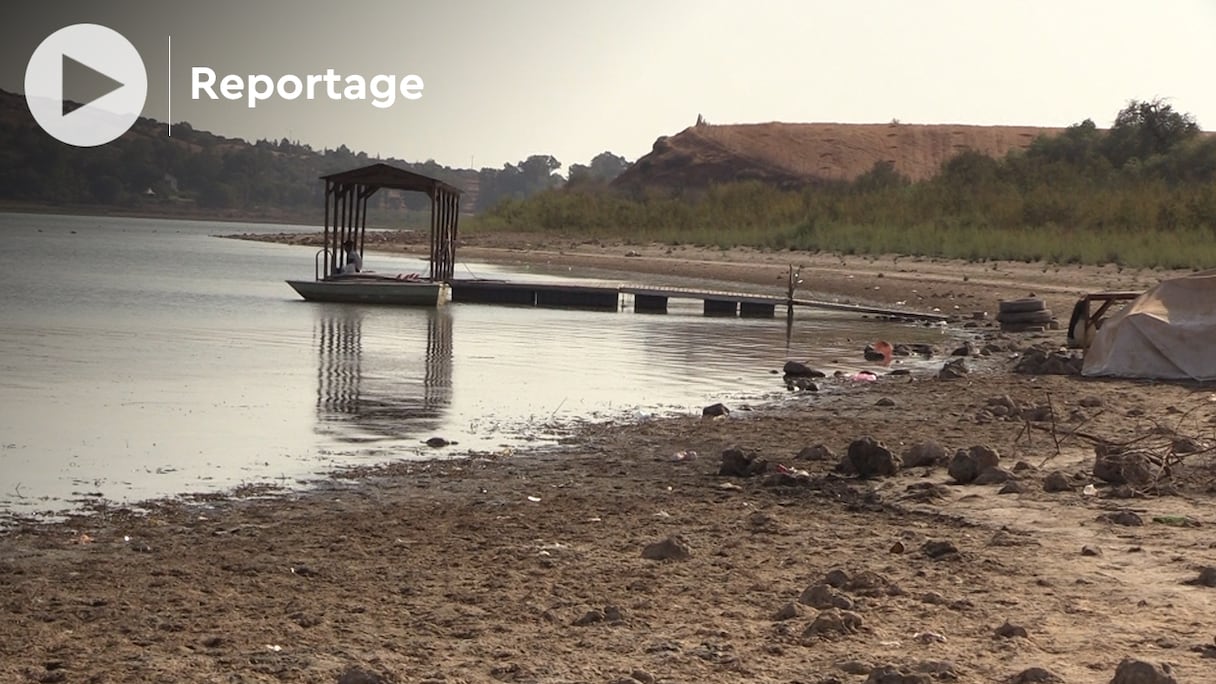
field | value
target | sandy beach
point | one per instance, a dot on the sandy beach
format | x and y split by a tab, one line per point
637	552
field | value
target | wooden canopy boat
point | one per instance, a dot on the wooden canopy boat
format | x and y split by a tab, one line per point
336	279
373	289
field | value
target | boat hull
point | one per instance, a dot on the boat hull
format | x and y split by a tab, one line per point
353	291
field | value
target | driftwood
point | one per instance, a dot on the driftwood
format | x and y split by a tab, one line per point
1169	448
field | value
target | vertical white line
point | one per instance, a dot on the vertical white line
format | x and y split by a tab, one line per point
169	123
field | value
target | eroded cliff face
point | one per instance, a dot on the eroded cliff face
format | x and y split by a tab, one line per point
790	155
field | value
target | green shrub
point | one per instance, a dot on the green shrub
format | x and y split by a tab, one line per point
1076	198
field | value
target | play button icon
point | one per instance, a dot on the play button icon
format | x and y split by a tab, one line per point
85	85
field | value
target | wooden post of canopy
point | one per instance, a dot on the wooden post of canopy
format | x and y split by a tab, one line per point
445	216
340	221
437	236
354	213
364	193
439	219
325	271
347	212
434	233
333	254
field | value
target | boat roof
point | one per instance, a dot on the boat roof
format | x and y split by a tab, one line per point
382	175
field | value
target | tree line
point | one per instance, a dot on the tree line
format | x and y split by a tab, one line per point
1142	192
145	168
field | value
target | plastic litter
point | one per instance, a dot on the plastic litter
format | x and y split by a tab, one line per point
792	472
927	637
1090	490
552	548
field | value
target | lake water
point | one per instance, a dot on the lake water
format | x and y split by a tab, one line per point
143	358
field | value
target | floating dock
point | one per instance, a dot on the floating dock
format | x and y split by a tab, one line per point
607	296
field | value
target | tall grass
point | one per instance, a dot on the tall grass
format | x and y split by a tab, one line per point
1067	219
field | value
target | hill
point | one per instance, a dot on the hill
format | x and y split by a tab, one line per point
196	171
793	154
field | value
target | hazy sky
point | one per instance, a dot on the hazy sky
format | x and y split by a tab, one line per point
506	79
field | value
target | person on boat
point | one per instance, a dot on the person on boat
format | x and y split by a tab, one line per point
354	260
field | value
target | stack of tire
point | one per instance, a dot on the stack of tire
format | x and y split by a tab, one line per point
1029	314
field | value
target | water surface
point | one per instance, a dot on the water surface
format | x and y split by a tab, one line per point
143	358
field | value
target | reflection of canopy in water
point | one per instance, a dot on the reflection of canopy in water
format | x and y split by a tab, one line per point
375	390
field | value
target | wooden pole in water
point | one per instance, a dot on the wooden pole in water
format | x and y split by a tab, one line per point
794	281
790	285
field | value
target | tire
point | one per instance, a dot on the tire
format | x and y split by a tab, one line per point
1026	317
1024	305
1022	328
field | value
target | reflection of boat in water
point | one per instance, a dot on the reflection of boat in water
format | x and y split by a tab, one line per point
338	275
381	387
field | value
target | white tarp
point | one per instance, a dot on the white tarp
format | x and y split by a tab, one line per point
1168	333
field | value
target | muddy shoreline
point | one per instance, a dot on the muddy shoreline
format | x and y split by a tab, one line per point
531	567
916	283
